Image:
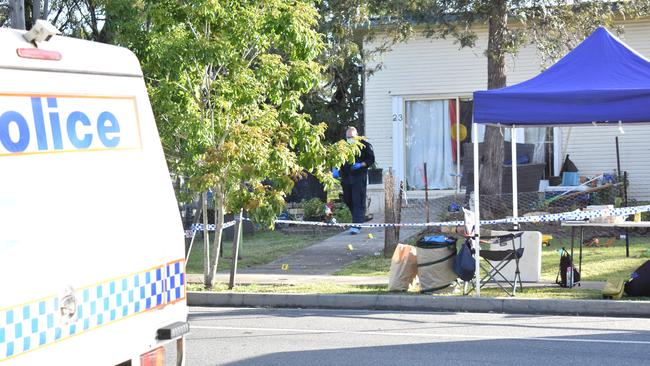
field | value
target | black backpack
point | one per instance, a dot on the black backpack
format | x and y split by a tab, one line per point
464	262
639	285
566	262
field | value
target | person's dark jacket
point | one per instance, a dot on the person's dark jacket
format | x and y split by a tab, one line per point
367	156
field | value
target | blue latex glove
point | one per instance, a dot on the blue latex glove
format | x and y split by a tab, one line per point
335	172
357	166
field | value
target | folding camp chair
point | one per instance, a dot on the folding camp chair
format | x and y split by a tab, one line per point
496	260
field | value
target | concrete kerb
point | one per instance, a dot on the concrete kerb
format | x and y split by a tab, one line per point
424	303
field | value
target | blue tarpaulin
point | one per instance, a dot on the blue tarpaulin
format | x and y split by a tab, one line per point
601	80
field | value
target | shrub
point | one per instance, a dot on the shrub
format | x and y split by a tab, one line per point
314	209
343	214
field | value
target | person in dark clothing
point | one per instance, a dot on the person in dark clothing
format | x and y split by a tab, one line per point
354	179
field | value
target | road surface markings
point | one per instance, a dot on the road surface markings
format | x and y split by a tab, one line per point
421	335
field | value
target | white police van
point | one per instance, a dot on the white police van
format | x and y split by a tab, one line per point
89	273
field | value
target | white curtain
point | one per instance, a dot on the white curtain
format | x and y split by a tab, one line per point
428	140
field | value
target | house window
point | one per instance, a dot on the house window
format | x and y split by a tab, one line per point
428	139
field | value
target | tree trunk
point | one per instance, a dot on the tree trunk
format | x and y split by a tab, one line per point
206	241
218	232
390	237
492	152
18	14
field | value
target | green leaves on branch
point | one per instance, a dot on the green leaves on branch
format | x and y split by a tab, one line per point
226	80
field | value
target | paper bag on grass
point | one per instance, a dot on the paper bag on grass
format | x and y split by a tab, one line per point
403	268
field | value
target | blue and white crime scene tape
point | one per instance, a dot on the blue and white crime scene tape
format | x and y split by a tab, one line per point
576	215
211	227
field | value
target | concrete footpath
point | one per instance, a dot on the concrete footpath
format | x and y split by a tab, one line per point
329	255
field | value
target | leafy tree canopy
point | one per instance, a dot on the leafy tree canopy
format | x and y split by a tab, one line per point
225	79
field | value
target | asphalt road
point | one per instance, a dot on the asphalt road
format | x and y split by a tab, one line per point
242	336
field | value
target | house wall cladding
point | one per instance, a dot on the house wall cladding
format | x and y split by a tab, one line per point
436	68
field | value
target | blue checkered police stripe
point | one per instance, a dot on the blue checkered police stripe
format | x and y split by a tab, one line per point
32	325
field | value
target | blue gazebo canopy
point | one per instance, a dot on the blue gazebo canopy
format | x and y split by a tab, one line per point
601	80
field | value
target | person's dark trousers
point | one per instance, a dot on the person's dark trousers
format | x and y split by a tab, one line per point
354	196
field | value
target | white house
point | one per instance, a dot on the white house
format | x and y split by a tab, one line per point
425	86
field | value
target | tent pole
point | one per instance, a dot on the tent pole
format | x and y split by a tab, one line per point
457	146
513	158
477	215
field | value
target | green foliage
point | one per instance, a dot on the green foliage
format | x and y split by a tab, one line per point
226	80
4	12
338	100
96	20
342	214
314	209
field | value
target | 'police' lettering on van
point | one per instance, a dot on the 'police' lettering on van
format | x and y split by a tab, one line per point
32	124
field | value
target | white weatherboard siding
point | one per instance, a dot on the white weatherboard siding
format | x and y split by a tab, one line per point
593	150
424	68
429	68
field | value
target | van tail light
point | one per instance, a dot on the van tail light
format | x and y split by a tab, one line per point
38	54
155	357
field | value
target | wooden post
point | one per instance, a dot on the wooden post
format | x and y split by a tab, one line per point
399	209
389	214
618	161
426	191
206	241
236	238
627	230
624	176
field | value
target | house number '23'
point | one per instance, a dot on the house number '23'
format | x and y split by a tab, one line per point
397	117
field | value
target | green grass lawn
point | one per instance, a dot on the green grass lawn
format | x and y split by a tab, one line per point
333	288
367	266
259	248
598	264
308	288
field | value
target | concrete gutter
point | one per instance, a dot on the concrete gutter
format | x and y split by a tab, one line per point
613	308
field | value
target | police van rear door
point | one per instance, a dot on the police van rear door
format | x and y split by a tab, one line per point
91	242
